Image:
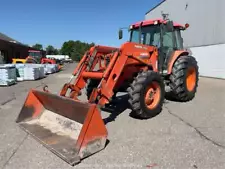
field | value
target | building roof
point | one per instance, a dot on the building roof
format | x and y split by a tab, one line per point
155	6
7	38
15	42
11	40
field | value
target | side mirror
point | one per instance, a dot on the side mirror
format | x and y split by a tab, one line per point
169	26
120	34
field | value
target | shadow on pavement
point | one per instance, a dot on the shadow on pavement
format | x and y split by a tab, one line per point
119	105
116	107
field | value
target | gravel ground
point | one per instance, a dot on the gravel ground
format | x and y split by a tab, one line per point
182	136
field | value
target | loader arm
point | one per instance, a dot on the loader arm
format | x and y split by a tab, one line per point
84	70
109	76
127	56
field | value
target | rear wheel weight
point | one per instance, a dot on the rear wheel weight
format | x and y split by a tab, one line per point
146	95
184	79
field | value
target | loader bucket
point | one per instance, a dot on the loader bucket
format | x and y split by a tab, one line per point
71	129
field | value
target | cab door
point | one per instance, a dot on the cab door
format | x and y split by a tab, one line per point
167	47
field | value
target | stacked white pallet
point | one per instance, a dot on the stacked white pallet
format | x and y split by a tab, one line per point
42	72
20	71
51	68
56	68
40	68
7	74
45	69
31	73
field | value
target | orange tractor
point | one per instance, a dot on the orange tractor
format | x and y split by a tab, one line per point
153	58
36	57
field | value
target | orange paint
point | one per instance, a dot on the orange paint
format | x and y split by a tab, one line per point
191	79
33	102
93	130
152	96
92	75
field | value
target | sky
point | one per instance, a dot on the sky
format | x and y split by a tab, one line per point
52	22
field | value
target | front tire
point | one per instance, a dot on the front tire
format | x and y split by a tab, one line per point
146	95
184	79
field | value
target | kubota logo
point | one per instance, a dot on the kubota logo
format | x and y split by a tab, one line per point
140	47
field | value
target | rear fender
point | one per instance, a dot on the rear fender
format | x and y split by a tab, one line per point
174	57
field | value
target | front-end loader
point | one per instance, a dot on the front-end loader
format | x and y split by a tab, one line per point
153	58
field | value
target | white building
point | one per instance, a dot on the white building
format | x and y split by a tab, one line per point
205	37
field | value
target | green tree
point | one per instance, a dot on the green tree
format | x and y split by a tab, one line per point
50	50
38	46
75	49
56	52
67	48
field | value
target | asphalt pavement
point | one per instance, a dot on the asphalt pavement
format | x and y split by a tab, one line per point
183	136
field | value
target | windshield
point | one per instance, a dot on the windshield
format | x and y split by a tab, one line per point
150	35
35	54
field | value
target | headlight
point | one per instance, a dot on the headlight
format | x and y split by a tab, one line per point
155	22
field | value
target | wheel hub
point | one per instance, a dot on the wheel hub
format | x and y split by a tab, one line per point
152	96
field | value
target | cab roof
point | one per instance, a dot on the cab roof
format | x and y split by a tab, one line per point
37	51
151	22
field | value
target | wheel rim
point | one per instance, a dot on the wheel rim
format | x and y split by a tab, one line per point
191	78
152	96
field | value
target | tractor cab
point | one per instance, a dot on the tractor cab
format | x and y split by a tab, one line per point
164	34
36	55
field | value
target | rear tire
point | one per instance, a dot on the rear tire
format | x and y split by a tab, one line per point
184	79
146	95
